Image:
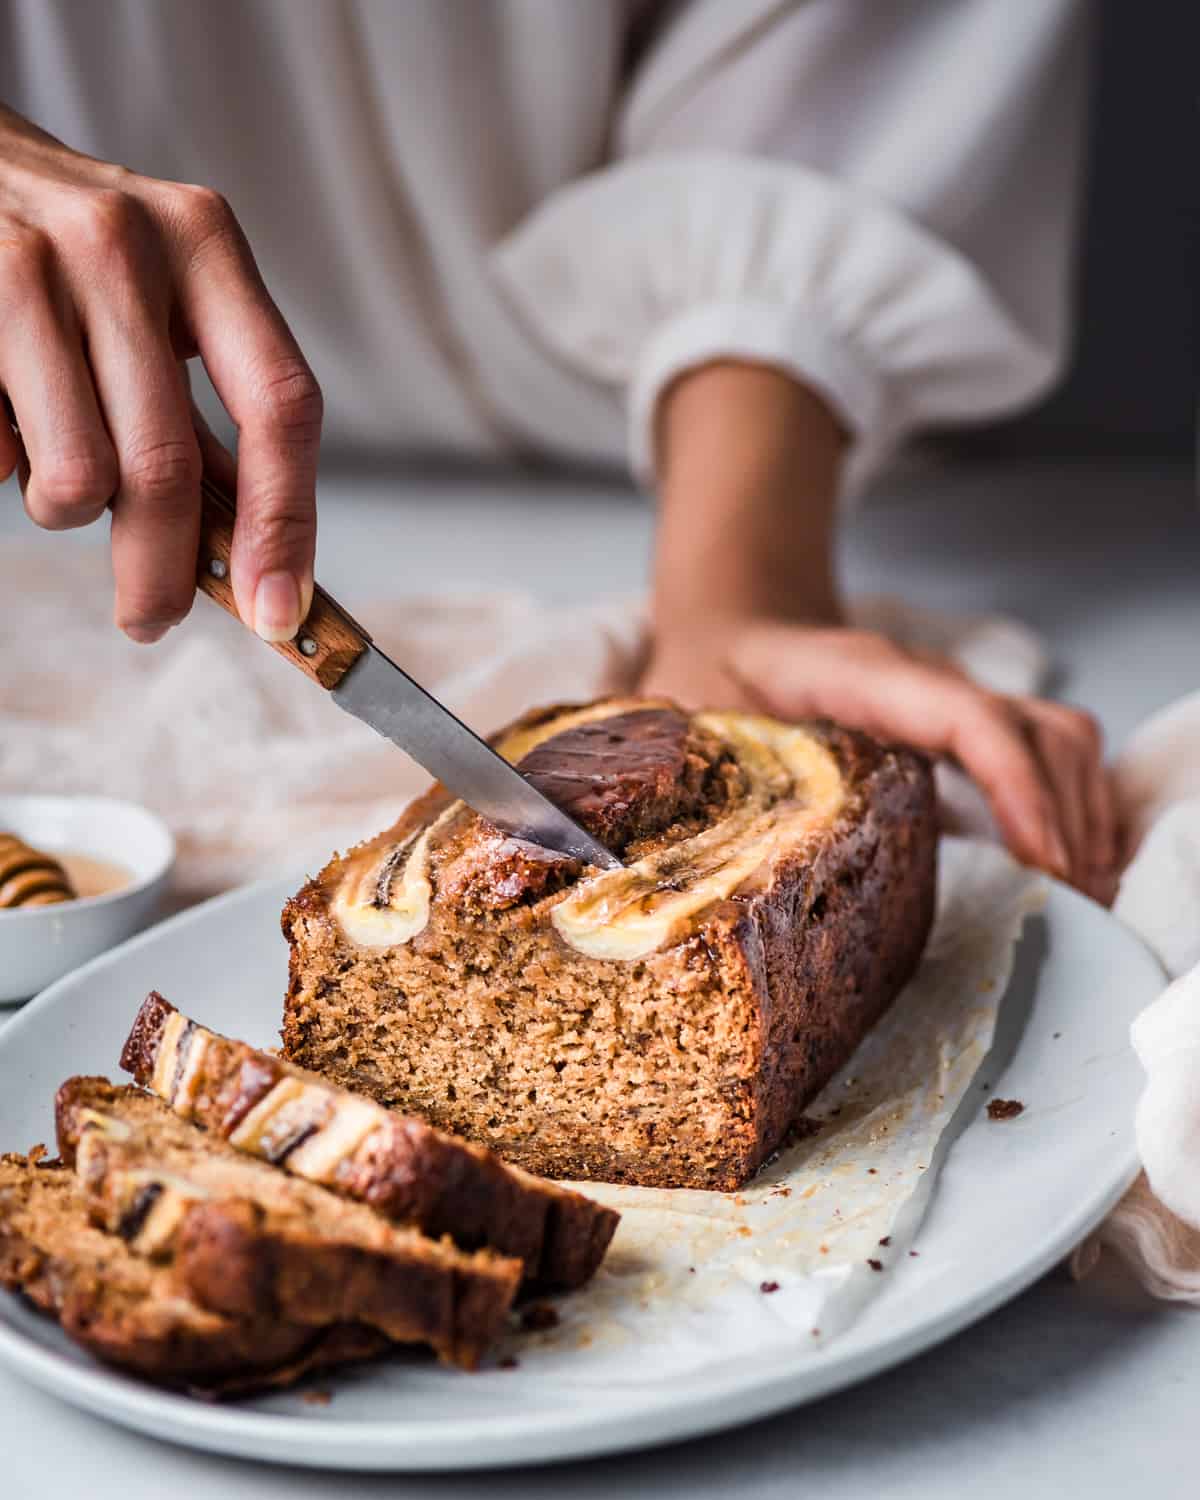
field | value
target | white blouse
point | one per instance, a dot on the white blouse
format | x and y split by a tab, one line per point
504	225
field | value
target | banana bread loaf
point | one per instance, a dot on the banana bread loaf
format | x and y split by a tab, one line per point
402	1167
247	1240
663	1024
129	1312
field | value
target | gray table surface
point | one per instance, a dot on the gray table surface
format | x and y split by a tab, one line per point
1069	1388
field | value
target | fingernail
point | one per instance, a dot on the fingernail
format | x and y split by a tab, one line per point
277	607
145	635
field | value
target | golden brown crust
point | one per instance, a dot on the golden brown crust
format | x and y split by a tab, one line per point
863	909
233	1259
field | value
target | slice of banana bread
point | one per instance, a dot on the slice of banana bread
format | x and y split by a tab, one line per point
402	1167
662	1024
131	1313
247	1240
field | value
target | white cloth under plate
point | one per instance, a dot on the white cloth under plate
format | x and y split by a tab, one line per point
254	777
1157	1227
507	224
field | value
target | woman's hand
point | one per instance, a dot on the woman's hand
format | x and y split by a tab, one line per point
107	281
1038	763
747	616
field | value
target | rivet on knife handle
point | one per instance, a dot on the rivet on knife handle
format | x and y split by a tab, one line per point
328	643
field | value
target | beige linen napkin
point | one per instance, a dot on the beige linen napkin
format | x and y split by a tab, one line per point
259	774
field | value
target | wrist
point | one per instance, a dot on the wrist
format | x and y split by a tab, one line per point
749	462
704	609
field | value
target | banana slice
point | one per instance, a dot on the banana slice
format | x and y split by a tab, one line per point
795	789
384	900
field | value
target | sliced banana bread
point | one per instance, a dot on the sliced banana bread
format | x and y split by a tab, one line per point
661	1024
246	1239
402	1167
130	1312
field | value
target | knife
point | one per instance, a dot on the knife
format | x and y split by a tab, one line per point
336	653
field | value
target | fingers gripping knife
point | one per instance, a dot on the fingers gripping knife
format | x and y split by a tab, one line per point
336	653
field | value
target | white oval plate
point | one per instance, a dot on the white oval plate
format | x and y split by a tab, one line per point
1011	1200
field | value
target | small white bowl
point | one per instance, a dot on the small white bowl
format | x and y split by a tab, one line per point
40	944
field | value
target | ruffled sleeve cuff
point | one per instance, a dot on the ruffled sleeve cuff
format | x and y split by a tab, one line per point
640	272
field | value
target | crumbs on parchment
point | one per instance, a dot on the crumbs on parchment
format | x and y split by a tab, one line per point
875	1265
768	1286
1004	1109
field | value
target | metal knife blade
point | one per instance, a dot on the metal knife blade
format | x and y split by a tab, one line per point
379	693
333	650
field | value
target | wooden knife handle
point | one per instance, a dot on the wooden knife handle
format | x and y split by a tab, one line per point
327	644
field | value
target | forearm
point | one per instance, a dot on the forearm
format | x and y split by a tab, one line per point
746	615
749	462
